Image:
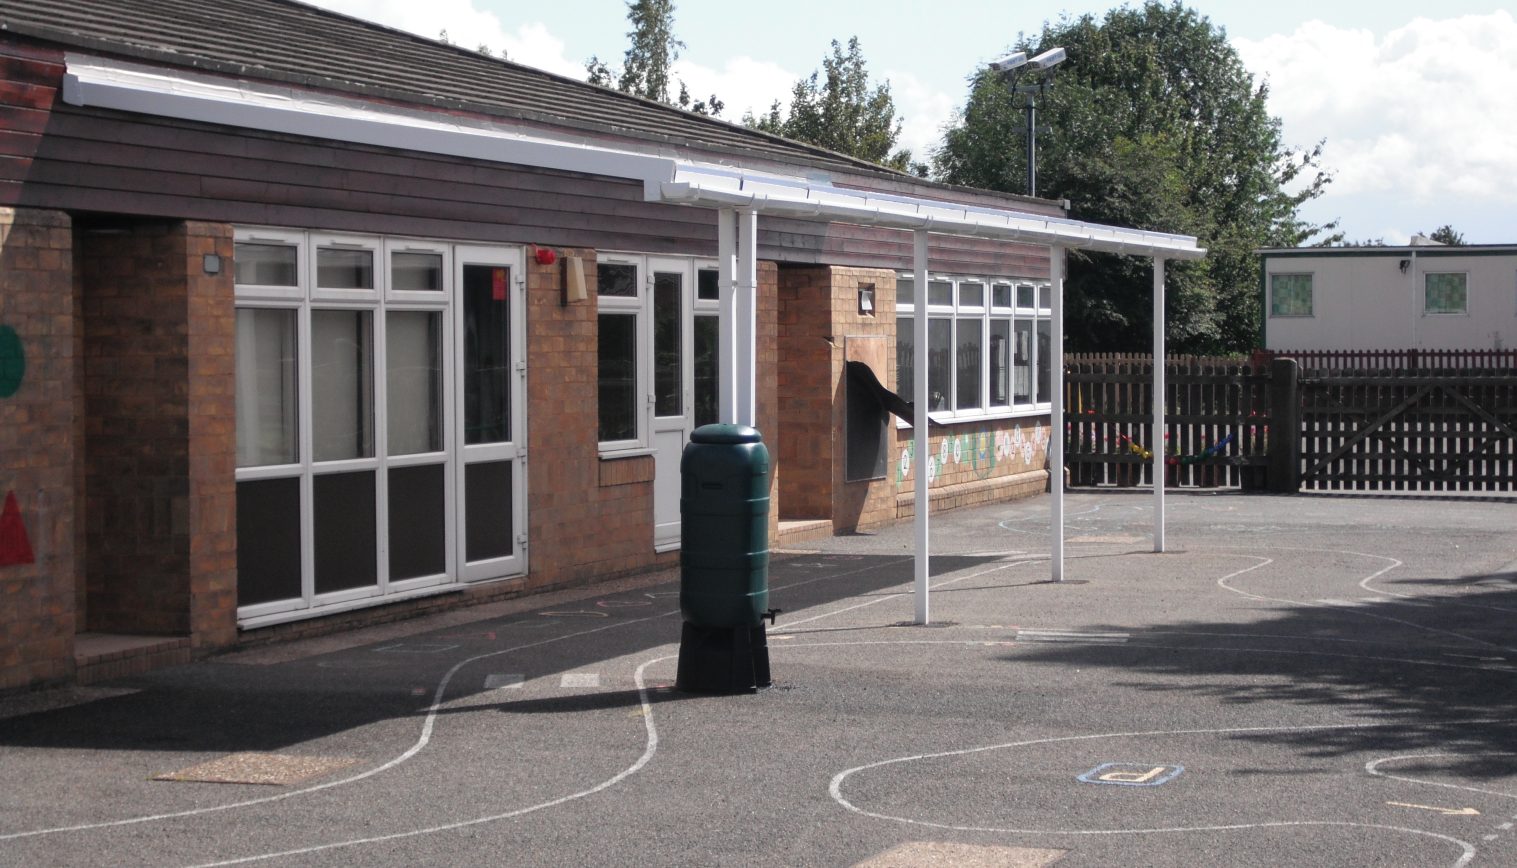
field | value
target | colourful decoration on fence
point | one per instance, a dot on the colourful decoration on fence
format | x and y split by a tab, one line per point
15	546
1211	451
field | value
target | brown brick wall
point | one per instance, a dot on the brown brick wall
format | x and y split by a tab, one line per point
160	437
804	374
37	447
212	497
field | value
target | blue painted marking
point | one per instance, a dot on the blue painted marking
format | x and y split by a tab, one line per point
1131	774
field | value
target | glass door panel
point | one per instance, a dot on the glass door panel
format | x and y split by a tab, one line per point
672	386
491	496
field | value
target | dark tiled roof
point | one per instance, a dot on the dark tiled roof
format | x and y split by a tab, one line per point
292	42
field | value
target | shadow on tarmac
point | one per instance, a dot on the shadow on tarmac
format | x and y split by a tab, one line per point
217	707
1376	662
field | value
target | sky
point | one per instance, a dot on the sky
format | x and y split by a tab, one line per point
1416	102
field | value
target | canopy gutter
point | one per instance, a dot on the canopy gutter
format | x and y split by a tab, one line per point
809	200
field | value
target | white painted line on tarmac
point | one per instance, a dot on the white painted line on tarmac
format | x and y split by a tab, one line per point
1222	582
1373	767
835	789
648	751
580	679
506	681
1072	636
422	740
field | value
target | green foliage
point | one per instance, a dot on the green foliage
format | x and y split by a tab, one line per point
653	49
649	60
1155	124
1446	234
840	112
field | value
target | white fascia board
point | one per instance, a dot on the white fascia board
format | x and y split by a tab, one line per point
814	199
96	82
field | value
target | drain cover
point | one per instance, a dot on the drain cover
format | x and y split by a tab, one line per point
259	768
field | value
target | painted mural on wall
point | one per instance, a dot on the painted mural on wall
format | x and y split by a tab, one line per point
12	362
15	545
981	450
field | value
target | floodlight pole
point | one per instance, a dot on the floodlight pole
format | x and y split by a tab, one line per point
1032	143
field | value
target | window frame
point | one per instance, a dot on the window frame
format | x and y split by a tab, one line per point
1464	311
306	299
1311	296
960	314
638	307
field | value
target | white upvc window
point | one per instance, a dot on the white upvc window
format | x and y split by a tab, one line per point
987	340
623	359
343	439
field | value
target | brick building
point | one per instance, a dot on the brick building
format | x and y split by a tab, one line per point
288	300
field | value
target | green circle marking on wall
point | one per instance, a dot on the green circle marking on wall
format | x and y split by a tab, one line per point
12	362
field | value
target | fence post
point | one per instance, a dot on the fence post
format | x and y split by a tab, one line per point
1285	427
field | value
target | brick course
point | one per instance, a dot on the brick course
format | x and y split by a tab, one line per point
38	447
160	439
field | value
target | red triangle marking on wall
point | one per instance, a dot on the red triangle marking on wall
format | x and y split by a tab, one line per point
15	547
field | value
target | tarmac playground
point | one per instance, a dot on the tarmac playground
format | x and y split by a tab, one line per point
1302	680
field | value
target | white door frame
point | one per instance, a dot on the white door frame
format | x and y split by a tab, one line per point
669	433
515	449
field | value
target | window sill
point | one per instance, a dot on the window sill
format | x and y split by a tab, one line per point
950	421
640	452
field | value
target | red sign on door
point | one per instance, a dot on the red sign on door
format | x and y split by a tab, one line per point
498	284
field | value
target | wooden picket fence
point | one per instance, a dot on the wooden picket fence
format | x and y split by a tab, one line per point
1383	360
1280	428
1216	429
1392	430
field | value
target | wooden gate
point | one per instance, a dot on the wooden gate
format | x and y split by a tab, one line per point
1392	430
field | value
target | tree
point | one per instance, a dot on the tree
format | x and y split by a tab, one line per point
841	113
1156	124
649	60
1446	234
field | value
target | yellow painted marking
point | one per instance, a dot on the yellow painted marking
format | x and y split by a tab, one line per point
1452	812
1133	777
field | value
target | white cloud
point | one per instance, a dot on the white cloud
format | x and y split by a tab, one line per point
530	43
742	84
1424	111
924	111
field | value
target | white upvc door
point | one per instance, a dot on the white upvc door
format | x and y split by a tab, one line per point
491	408
670	297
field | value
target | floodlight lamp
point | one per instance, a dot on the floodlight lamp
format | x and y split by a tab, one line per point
1048	59
1009	62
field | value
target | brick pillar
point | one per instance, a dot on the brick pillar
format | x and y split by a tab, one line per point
806	380
37	448
212	496
863	503
160	446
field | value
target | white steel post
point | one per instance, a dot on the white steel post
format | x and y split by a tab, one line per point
726	254
1157	437
1056	410
919	423
747	318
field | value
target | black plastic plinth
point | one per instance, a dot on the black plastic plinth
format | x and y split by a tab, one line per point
722	659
